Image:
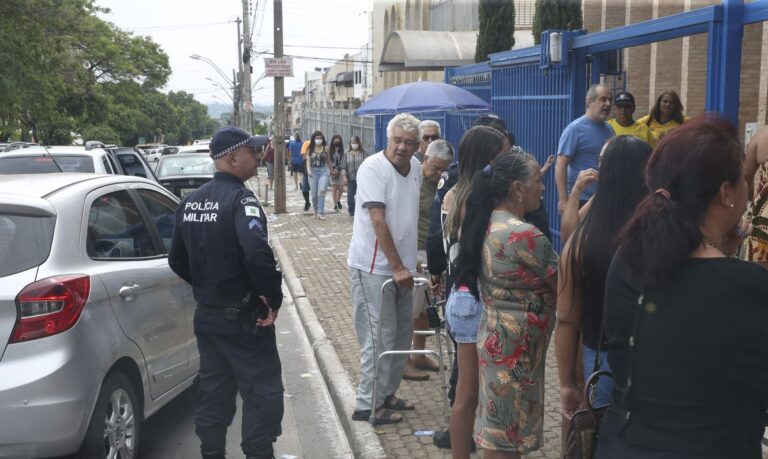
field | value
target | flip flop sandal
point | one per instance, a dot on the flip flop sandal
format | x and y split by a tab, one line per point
388	417
399	405
414	376
430	366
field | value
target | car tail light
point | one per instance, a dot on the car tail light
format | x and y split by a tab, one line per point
50	306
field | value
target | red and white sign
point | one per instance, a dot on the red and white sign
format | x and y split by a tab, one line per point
278	67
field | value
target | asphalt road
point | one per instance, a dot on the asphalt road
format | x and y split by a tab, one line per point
311	428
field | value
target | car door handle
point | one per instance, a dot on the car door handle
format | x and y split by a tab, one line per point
128	291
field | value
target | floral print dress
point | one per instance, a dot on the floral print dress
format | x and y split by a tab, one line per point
756	245
513	335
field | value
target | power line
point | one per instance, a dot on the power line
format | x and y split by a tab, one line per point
330	59
176	26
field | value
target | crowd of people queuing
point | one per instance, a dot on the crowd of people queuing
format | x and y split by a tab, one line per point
655	282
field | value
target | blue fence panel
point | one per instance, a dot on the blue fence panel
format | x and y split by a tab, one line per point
383	120
535	105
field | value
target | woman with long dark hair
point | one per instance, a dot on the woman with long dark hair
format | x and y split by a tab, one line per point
318	169
584	265
478	147
684	320
666	115
353	158
336	156
502	261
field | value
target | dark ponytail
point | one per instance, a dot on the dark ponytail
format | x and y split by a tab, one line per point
489	187
684	174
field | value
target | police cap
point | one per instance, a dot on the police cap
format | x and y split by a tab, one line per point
230	138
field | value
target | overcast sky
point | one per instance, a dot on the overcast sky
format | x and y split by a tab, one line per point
324	30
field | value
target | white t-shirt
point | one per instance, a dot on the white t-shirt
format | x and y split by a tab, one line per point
379	182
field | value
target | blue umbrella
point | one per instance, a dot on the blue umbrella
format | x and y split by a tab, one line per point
423	96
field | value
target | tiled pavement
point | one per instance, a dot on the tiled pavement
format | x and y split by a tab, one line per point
318	251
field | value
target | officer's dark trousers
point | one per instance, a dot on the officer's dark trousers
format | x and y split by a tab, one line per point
247	363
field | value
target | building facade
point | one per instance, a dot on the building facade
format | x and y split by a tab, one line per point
680	64
434	15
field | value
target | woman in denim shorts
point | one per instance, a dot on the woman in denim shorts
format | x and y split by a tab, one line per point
477	149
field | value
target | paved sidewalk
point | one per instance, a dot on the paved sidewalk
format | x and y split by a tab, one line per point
318	252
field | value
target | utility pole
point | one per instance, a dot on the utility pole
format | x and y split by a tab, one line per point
277	141
239	120
246	80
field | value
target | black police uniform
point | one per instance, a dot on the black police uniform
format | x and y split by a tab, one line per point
220	247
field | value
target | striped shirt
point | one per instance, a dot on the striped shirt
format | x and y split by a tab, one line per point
352	162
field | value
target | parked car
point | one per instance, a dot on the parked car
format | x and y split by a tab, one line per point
8	146
95	157
183	173
95	329
199	148
151	149
154	155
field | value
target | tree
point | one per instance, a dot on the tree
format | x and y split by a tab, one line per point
67	71
497	28
556	14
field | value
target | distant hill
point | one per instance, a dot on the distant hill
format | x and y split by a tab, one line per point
215	109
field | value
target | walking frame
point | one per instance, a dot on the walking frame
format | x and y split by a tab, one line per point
437	330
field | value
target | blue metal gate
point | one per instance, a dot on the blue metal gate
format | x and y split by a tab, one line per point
536	105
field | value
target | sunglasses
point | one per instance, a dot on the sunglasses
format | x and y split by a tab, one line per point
430	137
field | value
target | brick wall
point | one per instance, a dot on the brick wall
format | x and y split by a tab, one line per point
750	75
637	60
762	117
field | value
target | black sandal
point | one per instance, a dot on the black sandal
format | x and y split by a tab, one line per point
399	405
388	417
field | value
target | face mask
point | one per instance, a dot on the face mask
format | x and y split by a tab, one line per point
354	146
318	141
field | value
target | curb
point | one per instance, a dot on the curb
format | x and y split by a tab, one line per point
362	438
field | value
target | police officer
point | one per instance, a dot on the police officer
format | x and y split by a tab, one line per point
220	247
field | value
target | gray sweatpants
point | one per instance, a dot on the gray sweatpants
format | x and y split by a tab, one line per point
396	332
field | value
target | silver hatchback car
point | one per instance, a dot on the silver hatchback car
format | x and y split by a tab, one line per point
95	329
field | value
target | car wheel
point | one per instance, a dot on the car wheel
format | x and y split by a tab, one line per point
114	428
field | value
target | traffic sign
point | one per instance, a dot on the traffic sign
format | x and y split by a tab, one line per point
278	67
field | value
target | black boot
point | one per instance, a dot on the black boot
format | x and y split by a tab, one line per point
306	200
217	454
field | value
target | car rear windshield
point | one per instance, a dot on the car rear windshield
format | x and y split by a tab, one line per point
189	165
24	242
45	164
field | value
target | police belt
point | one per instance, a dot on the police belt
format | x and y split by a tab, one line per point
229	313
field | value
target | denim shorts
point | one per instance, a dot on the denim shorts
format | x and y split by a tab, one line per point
462	312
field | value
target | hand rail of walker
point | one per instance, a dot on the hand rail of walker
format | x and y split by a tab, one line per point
417	282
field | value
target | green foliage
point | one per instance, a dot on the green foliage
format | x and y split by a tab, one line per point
103	133
67	71
497	28
556	14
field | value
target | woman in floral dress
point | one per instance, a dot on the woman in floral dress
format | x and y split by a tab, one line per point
508	263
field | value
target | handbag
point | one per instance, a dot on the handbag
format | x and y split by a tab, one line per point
580	441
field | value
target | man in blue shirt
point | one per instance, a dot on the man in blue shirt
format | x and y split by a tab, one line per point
294	146
581	142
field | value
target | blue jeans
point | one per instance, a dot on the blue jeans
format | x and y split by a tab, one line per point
304	183
351	191
604	388
320	179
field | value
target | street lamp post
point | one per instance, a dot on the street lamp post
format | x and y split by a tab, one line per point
234	96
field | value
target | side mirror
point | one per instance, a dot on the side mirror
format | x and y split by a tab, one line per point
170	150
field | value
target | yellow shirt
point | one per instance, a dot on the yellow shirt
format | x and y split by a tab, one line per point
659	130
637	129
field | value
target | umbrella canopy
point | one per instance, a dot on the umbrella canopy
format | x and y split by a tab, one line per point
423	96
